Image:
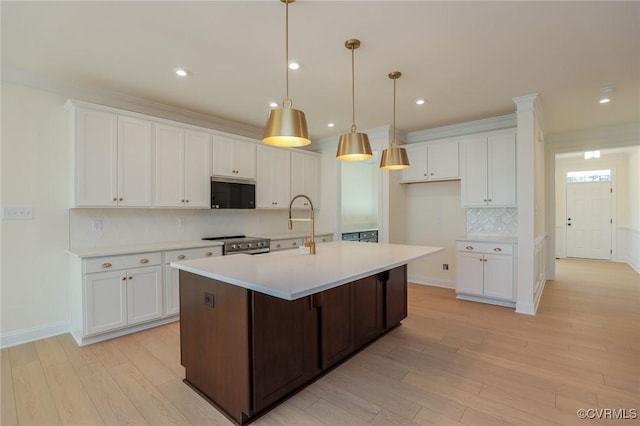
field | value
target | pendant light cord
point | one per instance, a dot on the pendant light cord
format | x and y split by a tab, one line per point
353	91
393	141
286	50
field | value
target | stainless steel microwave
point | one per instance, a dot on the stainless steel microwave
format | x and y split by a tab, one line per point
230	193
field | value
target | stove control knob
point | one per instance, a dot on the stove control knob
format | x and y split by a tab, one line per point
234	246
249	245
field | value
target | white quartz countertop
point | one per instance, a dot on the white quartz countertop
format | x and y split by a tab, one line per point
290	274
140	248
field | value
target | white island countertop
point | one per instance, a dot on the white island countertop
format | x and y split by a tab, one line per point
290	274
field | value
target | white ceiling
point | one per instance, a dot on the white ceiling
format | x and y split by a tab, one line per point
467	59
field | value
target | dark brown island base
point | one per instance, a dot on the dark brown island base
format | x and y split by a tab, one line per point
246	351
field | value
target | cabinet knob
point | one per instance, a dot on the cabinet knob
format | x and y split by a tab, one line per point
120	199
208	253
143	261
181	256
186	201
497	249
481	259
424	174
469	247
431	174
295	244
489	200
115	199
182	201
124	278
106	265
130	278
277	245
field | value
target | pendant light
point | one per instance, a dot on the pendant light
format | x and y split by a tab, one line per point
394	157
353	146
286	126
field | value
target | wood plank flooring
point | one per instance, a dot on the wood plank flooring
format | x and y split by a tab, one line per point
451	362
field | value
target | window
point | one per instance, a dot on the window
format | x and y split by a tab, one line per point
589	176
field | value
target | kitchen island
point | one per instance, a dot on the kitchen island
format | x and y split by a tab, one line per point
255	329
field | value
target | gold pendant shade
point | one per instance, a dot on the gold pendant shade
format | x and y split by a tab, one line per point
394	157
353	146
286	127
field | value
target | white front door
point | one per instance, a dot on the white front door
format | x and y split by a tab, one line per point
589	221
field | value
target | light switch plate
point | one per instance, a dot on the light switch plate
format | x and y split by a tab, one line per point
17	213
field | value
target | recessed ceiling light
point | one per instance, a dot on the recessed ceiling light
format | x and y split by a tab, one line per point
273	104
420	102
330	125
606	91
294	65
182	72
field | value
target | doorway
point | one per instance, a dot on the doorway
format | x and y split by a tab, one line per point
589	219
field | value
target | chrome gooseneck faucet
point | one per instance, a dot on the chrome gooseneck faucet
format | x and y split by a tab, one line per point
311	244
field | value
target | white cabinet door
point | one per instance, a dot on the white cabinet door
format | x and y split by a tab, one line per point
134	162
144	294
171	290
245	159
473	172
418	159
273	185
470	273
232	158
224	163
442	160
305	179
96	177
501	174
498	276
105	301
169	166
197	169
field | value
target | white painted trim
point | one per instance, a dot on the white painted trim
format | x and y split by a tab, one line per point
27	335
462	129
526	308
433	282
82	341
481	299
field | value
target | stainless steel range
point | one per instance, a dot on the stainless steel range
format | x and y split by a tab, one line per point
240	244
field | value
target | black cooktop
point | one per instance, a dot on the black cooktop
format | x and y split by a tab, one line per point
230	237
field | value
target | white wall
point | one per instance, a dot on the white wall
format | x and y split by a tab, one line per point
435	218
35	172
360	195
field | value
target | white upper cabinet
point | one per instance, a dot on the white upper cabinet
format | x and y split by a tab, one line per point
431	161
273	184
488	170
183	167
113	160
305	179
96	158
233	158
134	162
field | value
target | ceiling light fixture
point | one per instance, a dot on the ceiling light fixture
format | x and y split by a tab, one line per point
606	94
331	125
394	157
353	146
420	102
181	72
286	126
294	66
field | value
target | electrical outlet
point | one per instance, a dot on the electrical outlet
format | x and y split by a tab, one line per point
445	266
17	213
96	226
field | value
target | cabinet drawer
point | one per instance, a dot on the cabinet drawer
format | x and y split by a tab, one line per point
368	235
112	263
192	253
476	247
285	244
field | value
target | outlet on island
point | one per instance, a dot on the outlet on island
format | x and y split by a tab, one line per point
445	266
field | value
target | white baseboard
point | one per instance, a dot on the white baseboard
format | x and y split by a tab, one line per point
526	308
19	337
433	282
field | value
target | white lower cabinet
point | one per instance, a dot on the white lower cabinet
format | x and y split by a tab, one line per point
171	275
121	291
486	272
291	243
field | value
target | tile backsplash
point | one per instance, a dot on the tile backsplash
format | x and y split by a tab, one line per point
492	221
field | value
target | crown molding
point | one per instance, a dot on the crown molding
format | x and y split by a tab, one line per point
120	100
462	129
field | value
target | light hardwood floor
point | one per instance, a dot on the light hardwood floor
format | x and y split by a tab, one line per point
451	362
